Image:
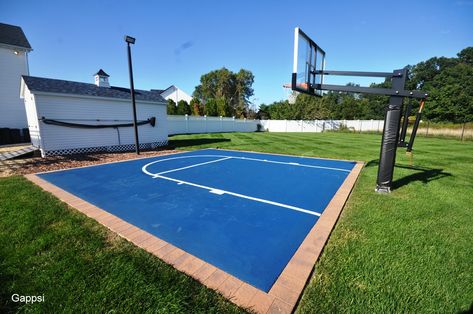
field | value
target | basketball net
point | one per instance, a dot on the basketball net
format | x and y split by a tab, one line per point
291	95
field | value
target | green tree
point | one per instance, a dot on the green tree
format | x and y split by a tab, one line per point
451	95
310	108
244	80
466	56
222	107
223	85
183	108
210	108
263	112
449	83
279	110
196	107
171	107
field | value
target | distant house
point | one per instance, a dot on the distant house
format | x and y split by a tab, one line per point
66	117
14	49
175	93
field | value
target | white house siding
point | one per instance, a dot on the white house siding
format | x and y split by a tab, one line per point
86	110
176	94
12	109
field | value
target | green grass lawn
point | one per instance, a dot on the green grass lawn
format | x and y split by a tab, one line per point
409	251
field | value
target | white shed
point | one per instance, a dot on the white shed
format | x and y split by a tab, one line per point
66	117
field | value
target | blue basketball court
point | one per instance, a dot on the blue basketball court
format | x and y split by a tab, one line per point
245	213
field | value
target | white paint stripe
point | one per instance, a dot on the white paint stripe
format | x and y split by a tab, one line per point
292	164
144	168
218	192
195	165
256	199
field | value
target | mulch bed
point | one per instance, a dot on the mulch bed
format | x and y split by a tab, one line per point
38	164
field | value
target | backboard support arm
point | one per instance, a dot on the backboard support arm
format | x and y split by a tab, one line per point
392	118
373	90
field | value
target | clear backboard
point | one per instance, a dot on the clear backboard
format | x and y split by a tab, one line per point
309	62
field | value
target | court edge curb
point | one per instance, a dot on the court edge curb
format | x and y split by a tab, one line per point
283	295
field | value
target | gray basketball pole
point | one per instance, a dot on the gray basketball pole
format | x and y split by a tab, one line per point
390	139
392	120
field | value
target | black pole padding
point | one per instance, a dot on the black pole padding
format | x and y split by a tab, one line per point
414	129
405	124
132	92
392	121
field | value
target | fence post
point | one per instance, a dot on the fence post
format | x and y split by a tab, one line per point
427	131
463	130
233	124
286	124
205	122
187	123
221	124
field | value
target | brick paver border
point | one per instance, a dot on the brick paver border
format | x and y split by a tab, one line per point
283	295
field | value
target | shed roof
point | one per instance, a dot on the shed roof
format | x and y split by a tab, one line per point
47	85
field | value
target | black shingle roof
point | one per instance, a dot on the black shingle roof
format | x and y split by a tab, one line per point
162	90
13	35
47	85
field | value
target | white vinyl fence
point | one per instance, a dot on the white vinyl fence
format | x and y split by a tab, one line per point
194	124
321	125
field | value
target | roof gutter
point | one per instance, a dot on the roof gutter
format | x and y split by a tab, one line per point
13	47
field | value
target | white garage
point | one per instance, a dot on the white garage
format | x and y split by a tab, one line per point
66	117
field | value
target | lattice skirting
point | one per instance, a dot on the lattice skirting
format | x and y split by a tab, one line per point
114	148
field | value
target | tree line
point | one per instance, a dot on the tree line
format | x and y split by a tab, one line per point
448	81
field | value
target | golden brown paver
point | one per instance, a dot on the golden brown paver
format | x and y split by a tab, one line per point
283	295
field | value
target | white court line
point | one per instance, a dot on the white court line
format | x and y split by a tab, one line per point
292	164
220	192
144	168
195	165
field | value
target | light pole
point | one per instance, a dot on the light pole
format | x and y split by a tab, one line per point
130	40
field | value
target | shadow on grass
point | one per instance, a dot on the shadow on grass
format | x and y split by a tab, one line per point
468	311
195	142
422	174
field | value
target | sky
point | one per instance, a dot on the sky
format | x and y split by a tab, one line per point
178	41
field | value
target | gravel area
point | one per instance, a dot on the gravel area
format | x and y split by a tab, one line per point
38	164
